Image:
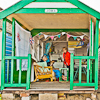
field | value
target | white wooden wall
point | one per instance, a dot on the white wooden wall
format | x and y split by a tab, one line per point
37	51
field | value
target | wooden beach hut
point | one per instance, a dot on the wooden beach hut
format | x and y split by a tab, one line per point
64	16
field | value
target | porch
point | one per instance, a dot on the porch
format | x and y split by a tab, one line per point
38	22
51	87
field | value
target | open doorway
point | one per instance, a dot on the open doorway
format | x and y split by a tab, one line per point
51	44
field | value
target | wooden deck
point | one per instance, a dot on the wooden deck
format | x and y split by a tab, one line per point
56	86
51	87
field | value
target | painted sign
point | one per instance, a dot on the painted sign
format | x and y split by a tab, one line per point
51	10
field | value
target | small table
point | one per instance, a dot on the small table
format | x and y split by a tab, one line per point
60	78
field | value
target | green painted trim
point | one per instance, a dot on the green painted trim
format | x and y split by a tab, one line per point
15	85
3	54
13	37
85	8
42	10
91	39
94	53
28	72
13	50
80	70
84	84
9	21
20	71
14	8
36	31
71	71
84	57
51	1
23	3
96	48
88	71
7	71
91	46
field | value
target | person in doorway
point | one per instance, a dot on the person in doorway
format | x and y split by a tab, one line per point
66	56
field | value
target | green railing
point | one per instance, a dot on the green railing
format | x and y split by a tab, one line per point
11	82
88	82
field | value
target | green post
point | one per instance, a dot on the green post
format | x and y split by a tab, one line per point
20	71
28	71
80	70
3	54
8	70
13	49
87	70
91	49
71	71
96	49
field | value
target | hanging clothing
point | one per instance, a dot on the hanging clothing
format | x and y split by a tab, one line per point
66	57
22	45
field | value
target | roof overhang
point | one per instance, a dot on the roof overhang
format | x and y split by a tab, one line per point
18	6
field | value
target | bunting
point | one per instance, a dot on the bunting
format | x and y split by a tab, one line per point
45	36
68	36
75	38
59	35
63	33
52	37
78	39
81	37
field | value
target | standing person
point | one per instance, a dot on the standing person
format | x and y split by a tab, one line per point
66	56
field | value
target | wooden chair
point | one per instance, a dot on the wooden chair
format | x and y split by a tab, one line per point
43	75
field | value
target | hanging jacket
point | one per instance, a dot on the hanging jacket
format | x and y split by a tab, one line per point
66	57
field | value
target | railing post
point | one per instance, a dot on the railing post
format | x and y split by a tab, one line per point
91	48
80	70
3	54
88	70
13	49
20	71
71	71
28	72
96	50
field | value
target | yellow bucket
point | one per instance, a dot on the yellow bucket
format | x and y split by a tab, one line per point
61	96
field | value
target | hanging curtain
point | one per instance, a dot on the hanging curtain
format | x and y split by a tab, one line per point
22	45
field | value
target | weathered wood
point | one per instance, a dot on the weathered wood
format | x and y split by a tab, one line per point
54	21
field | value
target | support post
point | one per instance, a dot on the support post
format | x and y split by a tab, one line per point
13	49
96	50
80	70
28	71
91	48
71	71
3	54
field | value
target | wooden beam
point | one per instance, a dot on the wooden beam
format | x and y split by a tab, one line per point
20	20
59	40
55	41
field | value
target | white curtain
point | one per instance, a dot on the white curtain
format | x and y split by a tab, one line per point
22	45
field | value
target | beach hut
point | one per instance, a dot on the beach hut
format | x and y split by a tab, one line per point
54	16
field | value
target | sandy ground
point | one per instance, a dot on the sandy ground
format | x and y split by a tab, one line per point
68	97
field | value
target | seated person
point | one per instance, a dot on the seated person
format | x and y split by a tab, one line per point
44	59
